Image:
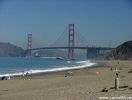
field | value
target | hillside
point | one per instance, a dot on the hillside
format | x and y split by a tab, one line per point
123	51
10	50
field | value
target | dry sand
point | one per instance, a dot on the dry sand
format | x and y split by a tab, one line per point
85	84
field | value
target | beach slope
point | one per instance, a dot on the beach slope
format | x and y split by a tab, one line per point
83	84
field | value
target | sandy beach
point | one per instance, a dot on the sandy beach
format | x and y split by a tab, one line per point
84	84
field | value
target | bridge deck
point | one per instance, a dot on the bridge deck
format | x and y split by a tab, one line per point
98	48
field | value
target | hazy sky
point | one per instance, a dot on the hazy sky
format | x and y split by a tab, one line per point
97	20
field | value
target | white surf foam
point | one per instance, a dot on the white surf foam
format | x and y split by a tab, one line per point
85	61
85	64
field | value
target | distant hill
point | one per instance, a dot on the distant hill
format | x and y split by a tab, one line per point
123	51
10	50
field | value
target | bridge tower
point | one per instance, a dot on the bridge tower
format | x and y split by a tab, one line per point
29	45
71	42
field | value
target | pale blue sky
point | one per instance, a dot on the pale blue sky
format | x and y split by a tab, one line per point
97	20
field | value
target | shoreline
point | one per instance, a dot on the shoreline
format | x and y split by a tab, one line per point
62	73
58	73
85	64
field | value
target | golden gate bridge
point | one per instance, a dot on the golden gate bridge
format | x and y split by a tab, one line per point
70	47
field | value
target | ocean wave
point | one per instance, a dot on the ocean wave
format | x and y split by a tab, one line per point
85	64
85	61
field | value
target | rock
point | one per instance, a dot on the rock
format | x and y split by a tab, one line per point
104	90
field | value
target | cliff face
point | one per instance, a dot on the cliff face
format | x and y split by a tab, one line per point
10	50
124	51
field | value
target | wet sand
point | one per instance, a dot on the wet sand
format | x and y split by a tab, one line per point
84	84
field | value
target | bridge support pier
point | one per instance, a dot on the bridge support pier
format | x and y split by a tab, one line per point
87	53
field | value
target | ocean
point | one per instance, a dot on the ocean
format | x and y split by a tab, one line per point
14	66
